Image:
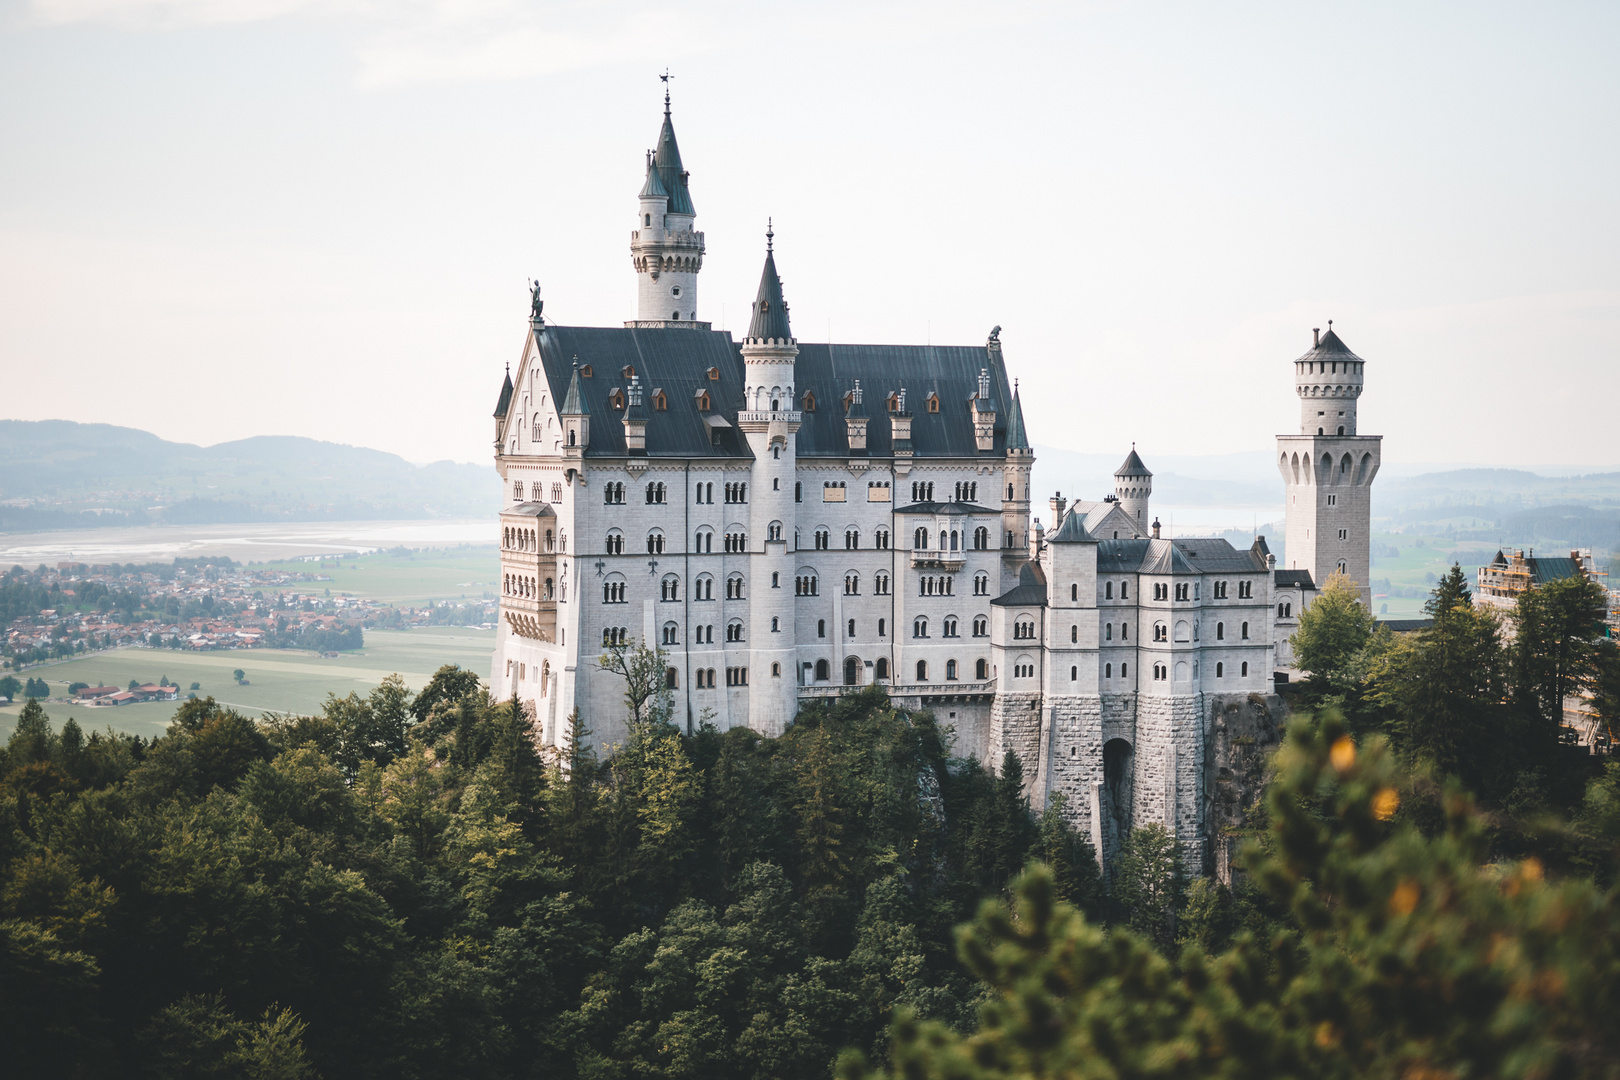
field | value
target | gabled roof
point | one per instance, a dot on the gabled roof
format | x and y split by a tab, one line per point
1406	626
671	174
1102	518
1145	555
1330	347
1071	531
505	401
770	314
1030	590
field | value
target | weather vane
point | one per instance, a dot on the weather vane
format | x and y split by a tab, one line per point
664	78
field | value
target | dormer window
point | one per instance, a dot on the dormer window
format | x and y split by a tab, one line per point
893	403
714	374
933	403
703	400
809	402
585	371
616	399
660	402
628	372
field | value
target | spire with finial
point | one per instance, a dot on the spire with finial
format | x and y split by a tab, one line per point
770	315
770	242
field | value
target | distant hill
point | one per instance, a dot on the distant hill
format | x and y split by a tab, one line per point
60	474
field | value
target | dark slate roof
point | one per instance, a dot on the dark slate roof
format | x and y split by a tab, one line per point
1543	569
770	313
960	509
1213	555
674	359
1407	626
1330	348
670	171
1016	439
506	397
1293	579
1186	556
677	361
951	371
1132	466
1030	590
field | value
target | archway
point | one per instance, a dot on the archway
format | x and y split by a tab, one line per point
1117	789
852	671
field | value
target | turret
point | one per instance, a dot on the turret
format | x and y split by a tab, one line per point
1015	474
665	249
576	418
1133	485
1328	380
502	404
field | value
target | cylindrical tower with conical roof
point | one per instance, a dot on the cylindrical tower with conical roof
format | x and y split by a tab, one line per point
665	248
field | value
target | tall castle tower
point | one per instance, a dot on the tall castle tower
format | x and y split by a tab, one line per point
1328	469
770	422
665	248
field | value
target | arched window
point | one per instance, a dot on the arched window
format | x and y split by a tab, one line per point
1124	590
1220	631
1074	592
981	584
922	671
670	588
655	542
919	627
672	679
880	539
1108	671
882	667
806	584
823	671
734	587
919	539
1074	674
1220	670
950	670
822	539
981	539
1244	632
852	671
734	630
821	628
949	626
981	669
671	633
1074	633
852	584
852	539
883	627
981	626
880	584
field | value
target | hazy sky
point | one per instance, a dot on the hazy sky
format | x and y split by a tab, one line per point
222	218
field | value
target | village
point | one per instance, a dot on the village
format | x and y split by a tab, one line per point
189	604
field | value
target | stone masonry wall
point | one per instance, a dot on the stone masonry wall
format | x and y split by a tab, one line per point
1242	731
1169	771
1015	724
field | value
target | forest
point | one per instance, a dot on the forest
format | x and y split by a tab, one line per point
402	885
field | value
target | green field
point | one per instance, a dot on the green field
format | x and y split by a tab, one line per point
1422	561
280	680
404	579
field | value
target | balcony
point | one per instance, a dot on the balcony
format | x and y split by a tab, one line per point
924	559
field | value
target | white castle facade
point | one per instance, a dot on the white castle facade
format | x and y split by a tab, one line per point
789	520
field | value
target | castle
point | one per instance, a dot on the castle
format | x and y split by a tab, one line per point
788	520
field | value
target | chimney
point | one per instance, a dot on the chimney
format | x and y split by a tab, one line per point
1037	538
1057	503
855	421
1316	336
1155	528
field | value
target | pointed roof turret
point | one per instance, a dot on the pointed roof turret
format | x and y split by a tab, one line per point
505	401
1330	346
654	187
667	159
574	403
1016	439
1133	465
770	313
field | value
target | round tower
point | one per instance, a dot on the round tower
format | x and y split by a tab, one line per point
1328	380
770	423
665	248
1133	486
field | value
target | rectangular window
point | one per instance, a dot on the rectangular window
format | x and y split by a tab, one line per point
1344	534
1333	500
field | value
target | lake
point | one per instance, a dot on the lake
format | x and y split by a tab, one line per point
261	542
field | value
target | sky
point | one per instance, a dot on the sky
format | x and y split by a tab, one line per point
223	218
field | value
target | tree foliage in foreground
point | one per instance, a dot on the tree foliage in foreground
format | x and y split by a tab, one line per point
1411	957
402	887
